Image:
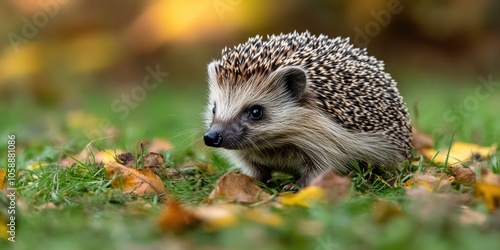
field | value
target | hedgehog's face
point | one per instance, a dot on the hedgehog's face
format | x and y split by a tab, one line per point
254	114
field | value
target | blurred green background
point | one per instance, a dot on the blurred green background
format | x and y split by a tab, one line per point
89	66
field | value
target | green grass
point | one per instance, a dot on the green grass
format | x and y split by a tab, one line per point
75	208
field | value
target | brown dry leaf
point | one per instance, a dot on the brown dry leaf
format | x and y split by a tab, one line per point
126	159
384	210
157	145
431	182
469	216
427	205
337	187
306	197
464	176
3	174
488	188
156	163
421	140
459	152
134	181
238	188
176	218
153	161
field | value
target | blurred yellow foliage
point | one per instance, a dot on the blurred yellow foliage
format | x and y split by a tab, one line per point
305	197
459	152
26	61
91	52
3	173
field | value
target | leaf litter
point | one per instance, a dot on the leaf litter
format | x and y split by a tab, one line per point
236	198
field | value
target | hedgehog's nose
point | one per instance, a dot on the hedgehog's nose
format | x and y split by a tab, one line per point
213	139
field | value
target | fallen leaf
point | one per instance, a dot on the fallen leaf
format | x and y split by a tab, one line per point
469	216
431	182
488	188
4	235
36	164
92	154
428	206
337	187
176	218
421	140
459	152
264	217
126	159
3	174
306	197
384	210
158	145
464	176
134	181
48	205
191	167
218	216
238	188
156	163
154	160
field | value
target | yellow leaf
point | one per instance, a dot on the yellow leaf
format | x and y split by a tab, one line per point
384	210
488	188
134	181
3	228
176	218
459	152
37	164
431	182
264	217
3	173
99	156
305	197
219	216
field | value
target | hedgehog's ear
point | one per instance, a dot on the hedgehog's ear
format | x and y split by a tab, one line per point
293	78
212	72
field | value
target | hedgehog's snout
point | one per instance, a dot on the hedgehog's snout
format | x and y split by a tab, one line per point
212	139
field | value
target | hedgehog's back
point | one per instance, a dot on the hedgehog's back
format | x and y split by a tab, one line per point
350	86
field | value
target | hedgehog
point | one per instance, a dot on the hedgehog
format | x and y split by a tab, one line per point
303	104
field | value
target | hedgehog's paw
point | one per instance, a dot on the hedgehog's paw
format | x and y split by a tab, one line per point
291	187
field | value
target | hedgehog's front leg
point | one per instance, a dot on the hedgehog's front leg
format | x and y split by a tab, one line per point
260	173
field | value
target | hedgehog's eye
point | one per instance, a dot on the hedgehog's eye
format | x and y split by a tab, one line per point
213	110
255	112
